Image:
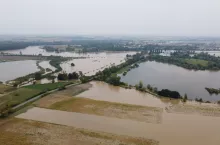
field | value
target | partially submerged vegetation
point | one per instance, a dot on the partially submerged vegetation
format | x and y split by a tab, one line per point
201	61
213	91
55	61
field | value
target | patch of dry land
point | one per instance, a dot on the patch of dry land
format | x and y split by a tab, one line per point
26	132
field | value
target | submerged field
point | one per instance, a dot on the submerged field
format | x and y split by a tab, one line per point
103	108
93	114
24	132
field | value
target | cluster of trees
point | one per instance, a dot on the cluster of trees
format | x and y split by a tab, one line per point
163	92
148	88
55	62
72	64
169	93
199	100
131	67
179	59
38	76
70	76
213	91
107	74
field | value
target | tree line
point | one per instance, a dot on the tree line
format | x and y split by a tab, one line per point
179	59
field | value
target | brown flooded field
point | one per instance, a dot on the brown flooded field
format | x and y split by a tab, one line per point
127	112
175	129
26	132
61	95
94	63
105	92
117	110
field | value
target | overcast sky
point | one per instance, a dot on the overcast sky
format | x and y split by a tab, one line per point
111	17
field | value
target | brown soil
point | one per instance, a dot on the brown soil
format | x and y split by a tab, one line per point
25	132
110	109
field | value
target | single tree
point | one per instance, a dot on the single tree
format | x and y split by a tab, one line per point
72	64
37	76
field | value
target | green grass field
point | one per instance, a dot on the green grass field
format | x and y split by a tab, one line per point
18	96
47	87
197	62
25	93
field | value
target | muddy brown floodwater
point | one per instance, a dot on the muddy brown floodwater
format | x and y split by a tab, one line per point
105	92
175	128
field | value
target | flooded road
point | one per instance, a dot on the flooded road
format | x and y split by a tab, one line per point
175	129
14	69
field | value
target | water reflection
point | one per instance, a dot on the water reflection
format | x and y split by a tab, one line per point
165	76
15	69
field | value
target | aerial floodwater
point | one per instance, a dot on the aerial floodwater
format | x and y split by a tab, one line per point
36	50
165	76
14	69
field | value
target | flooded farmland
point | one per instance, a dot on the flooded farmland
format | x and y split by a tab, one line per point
175	128
91	65
105	92
46	64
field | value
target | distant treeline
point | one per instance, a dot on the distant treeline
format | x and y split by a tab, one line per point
94	45
201	61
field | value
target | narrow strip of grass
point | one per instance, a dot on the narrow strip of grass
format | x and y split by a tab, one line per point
197	62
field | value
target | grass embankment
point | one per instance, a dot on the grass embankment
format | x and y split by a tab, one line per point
110	109
25	93
197	62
